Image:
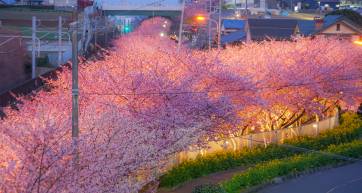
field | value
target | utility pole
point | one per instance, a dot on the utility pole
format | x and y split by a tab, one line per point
95	32
75	90
106	32
33	57
181	25
219	30
210	5
235	6
60	40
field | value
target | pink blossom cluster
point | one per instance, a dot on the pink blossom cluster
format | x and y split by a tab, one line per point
146	100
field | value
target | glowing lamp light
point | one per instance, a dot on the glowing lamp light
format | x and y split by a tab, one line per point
126	29
358	42
162	34
164	25
200	18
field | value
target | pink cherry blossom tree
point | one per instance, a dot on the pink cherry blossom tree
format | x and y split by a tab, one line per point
145	101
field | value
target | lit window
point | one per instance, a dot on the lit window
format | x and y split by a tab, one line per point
338	27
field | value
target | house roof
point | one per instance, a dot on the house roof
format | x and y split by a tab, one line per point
279	29
233	37
234	23
306	27
329	1
332	19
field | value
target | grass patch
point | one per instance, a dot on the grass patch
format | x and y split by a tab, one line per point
265	172
349	130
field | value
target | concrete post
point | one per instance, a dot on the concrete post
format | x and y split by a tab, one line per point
219	29
181	26
60	54
33	57
75	94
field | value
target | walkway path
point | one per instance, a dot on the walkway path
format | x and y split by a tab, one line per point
210	179
346	179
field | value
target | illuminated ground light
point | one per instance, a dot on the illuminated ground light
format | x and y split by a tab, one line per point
358	42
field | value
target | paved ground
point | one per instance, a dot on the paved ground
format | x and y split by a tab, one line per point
210	179
304	16
346	179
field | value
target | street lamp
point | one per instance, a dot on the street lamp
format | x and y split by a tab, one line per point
202	19
359	41
181	25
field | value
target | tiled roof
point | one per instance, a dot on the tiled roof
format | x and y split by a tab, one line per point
331	19
233	37
306	27
279	29
233	23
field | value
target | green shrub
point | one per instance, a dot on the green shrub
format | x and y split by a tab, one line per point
265	172
208	188
349	130
204	165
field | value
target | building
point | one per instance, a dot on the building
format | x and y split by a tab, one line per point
232	25
332	25
61	3
329	4
234	31
276	29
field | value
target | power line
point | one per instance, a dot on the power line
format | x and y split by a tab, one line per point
302	149
228	90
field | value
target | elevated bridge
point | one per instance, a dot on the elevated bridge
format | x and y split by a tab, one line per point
166	8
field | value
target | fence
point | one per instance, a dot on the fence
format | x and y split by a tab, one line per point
234	144
248	141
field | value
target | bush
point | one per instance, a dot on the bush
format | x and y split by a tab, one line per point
349	130
266	172
208	188
221	161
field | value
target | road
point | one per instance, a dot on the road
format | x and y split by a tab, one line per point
346	179
303	16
